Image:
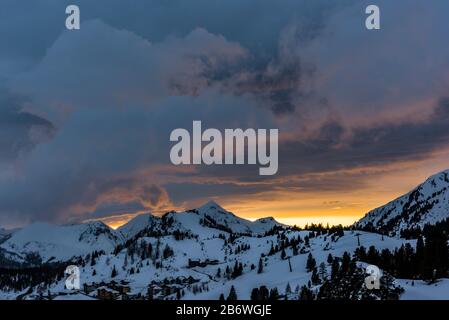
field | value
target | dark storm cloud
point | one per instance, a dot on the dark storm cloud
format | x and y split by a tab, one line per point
344	148
313	164
112	92
277	84
100	80
29	28
266	29
97	156
20	131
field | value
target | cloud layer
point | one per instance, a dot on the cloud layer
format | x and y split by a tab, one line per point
85	116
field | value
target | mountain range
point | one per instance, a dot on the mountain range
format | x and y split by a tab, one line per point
205	252
63	242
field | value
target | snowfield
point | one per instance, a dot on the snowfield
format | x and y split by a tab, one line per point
60	243
420	290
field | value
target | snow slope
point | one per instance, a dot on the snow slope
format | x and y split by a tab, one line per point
214	239
5	234
59	243
420	290
213	216
276	271
428	203
136	225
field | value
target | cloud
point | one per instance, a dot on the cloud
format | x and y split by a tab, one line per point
86	69
100	151
20	131
397	73
91	136
114	122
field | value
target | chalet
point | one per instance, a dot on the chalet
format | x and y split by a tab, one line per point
202	264
122	288
89	287
154	290
105	293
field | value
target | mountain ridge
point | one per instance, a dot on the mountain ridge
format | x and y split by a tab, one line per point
427	203
63	242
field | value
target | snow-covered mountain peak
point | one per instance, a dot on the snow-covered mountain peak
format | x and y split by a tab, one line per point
435	182
63	242
53	242
212	215
5	234
428	203
210	206
266	220
95	231
137	224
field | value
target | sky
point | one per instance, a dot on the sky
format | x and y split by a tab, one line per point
86	115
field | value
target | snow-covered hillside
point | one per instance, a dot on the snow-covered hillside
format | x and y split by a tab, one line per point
59	243
137	224
196	254
199	266
428	203
212	218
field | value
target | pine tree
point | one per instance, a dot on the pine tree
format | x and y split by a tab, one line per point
288	289
274	294
232	295
315	278
335	269
297	289
346	259
264	293
306	241
125	262
306	294
311	263
255	294
114	272
419	256
260	269
295	249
